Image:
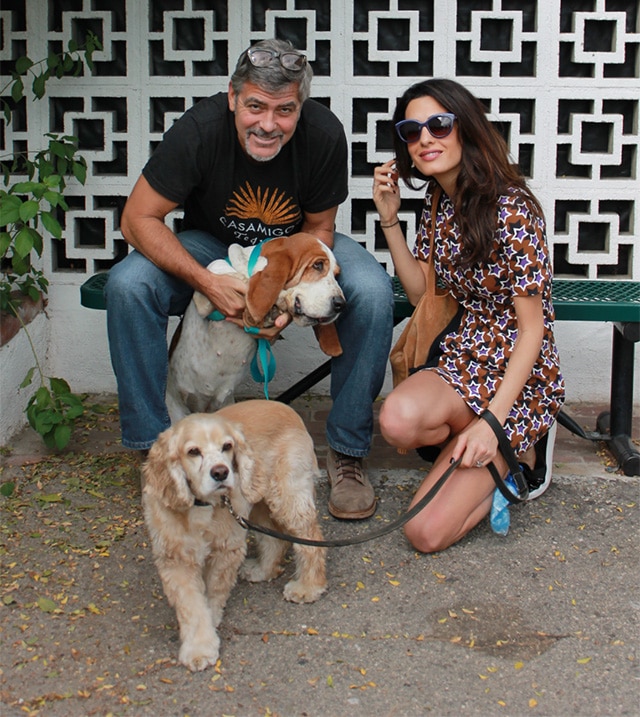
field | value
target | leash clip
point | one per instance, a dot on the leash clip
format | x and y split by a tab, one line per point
226	501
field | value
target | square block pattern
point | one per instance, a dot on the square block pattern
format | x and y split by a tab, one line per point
559	78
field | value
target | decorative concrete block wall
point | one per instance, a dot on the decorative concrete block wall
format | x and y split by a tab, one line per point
559	77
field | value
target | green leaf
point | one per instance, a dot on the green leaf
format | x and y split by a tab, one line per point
72	45
7	488
80	171
5	242
42	397
48	439
24	187
17	90
9	210
38	85
58	148
28	378
68	63
23	243
51	224
45	422
46	604
52	180
53	61
28	210
50	498
62	436
23	64
6	111
19	264
52	197
59	386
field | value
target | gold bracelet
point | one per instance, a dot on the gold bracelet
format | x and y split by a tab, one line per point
386	226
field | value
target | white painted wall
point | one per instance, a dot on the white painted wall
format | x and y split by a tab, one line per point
343	37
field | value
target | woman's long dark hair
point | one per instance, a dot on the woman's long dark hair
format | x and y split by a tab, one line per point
485	171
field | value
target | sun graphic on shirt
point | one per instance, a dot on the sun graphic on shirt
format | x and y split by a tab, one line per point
270	207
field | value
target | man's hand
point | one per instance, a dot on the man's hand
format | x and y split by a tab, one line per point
226	293
272	333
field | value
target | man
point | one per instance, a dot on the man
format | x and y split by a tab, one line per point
259	161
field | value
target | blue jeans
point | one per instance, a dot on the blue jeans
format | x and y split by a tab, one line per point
141	297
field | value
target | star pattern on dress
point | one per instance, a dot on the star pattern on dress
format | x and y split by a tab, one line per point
475	355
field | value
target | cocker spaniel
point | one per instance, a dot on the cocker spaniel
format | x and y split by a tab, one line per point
260	455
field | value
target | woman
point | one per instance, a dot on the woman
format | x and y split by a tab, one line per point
490	251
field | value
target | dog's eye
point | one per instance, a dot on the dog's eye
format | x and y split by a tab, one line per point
227	446
194	451
319	265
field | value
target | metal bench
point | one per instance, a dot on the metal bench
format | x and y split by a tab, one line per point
574	300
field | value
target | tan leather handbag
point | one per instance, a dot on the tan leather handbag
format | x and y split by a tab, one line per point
434	312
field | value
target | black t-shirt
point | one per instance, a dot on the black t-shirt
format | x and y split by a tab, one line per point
201	166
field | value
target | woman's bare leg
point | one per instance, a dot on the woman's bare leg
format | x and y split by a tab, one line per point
424	410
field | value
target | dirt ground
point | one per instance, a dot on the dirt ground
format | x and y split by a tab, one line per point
544	622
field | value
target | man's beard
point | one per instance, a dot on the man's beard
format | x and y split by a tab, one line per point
263	135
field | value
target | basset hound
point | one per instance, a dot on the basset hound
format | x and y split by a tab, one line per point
209	358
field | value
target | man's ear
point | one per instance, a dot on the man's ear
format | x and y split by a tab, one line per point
231	98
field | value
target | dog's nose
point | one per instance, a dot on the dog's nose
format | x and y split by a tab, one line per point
338	304
219	473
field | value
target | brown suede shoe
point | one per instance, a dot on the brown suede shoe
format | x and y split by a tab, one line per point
352	496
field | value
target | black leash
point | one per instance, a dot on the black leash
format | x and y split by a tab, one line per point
505	448
354	540
510	457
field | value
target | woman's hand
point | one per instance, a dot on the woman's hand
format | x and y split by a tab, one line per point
477	445
386	194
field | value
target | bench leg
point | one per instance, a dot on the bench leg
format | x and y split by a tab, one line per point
305	383
618	421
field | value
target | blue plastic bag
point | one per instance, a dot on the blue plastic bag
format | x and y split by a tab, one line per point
499	516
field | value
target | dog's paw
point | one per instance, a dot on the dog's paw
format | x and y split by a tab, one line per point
197	656
254	571
300	592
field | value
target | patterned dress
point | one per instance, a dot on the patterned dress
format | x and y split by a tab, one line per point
475	356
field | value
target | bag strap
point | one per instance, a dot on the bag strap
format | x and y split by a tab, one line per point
512	462
428	266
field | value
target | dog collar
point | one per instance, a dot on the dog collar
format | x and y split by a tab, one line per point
263	365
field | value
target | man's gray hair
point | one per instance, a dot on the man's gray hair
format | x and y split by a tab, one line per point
274	76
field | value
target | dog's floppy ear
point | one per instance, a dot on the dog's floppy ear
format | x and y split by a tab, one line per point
244	464
265	287
163	473
327	336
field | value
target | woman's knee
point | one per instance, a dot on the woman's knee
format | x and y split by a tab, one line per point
426	536
398	419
